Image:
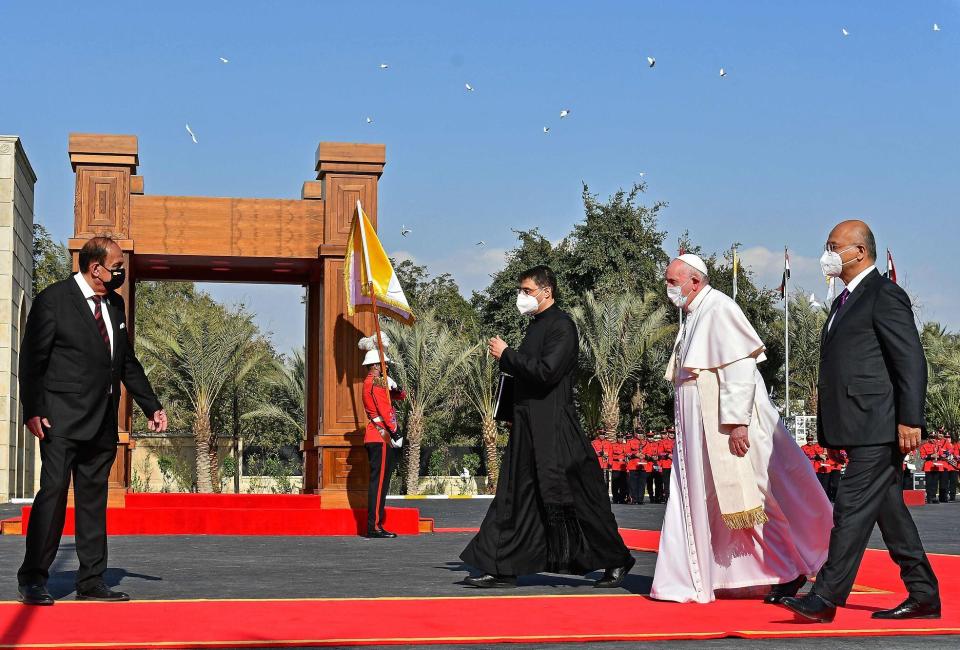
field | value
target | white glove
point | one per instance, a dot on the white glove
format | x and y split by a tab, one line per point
391	384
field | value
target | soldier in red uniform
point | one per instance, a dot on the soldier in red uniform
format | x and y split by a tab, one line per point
948	460
618	470
818	459
382	438
651	452
636	470
932	466
597	444
666	460
836	472
953	464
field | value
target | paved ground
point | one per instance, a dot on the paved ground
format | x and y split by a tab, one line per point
288	567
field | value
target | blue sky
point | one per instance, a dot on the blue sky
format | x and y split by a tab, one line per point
807	128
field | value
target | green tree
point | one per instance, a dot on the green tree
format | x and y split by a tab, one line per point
616	331
51	259
480	378
428	363
439	294
806	324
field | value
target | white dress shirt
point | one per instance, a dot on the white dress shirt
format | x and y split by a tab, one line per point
852	287
89	293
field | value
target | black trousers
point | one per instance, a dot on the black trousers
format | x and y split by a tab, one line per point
618	481
88	462
824	478
655	487
382	461
907	480
933	485
833	484
870	494
637	479
952	485
665	483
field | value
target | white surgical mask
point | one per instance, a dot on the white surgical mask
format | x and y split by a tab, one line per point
832	264
527	304
675	295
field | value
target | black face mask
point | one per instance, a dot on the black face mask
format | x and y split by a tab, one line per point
116	280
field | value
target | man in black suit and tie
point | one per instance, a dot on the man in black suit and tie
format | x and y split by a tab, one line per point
872	390
74	354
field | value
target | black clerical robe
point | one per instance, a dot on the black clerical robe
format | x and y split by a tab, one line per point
551	511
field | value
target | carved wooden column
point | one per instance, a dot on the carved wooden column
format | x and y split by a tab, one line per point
348	172
105	167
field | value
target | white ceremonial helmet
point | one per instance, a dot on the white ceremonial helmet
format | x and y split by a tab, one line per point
368	344
694	260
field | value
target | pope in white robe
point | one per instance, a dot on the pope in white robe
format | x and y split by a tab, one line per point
746	510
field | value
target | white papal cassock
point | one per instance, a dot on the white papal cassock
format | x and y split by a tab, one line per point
699	554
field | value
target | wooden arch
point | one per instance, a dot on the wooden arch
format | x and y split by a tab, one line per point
249	240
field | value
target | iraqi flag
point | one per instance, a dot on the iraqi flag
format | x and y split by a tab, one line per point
367	262
786	275
891	269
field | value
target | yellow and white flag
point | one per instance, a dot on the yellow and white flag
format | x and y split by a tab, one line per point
366	261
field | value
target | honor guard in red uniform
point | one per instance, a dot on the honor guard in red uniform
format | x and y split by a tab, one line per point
666	461
618	470
953	464
636	470
382	438
933	466
654	477
597	445
818	459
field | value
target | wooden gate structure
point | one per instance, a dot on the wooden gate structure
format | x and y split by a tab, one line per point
300	241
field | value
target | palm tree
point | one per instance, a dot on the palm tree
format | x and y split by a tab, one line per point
429	363
202	349
806	324
616	331
480	377
289	381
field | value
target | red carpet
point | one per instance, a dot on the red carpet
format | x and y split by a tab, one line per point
482	619
239	514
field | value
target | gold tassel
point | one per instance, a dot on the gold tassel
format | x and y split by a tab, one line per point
745	519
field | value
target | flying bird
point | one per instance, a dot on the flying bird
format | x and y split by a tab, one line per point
651	61
546	129
223	60
192	135
936	27
405	231
642	174
564	113
369	120
468	87
843	30
481	243
384	66
723	73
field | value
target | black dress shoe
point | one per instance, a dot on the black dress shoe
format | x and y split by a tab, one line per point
613	578
387	533
379	534
785	590
102	593
487	581
910	608
811	607
35	594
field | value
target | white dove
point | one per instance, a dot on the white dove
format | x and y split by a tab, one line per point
843	30
468	87
642	174
405	231
936	27
384	66
546	129
564	113
723	73
223	60
369	120
192	136
651	61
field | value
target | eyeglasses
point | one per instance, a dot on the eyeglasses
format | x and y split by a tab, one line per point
529	292
839	248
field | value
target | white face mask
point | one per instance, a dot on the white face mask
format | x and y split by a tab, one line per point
675	295
527	304
832	264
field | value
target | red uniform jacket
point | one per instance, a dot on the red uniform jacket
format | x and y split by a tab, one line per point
634	449
817	456
378	403
837	466
666	453
617	460
651	455
930	455
948	451
598	447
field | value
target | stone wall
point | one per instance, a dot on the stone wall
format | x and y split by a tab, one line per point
19	455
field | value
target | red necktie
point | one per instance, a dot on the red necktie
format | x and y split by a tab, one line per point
98	316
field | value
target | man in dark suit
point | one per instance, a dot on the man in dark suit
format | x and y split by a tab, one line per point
872	389
74	354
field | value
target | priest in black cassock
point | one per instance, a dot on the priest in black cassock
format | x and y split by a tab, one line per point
551	512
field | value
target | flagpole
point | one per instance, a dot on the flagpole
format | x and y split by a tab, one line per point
735	270
786	334
373	293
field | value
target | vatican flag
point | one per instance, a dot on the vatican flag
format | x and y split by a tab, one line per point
365	267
